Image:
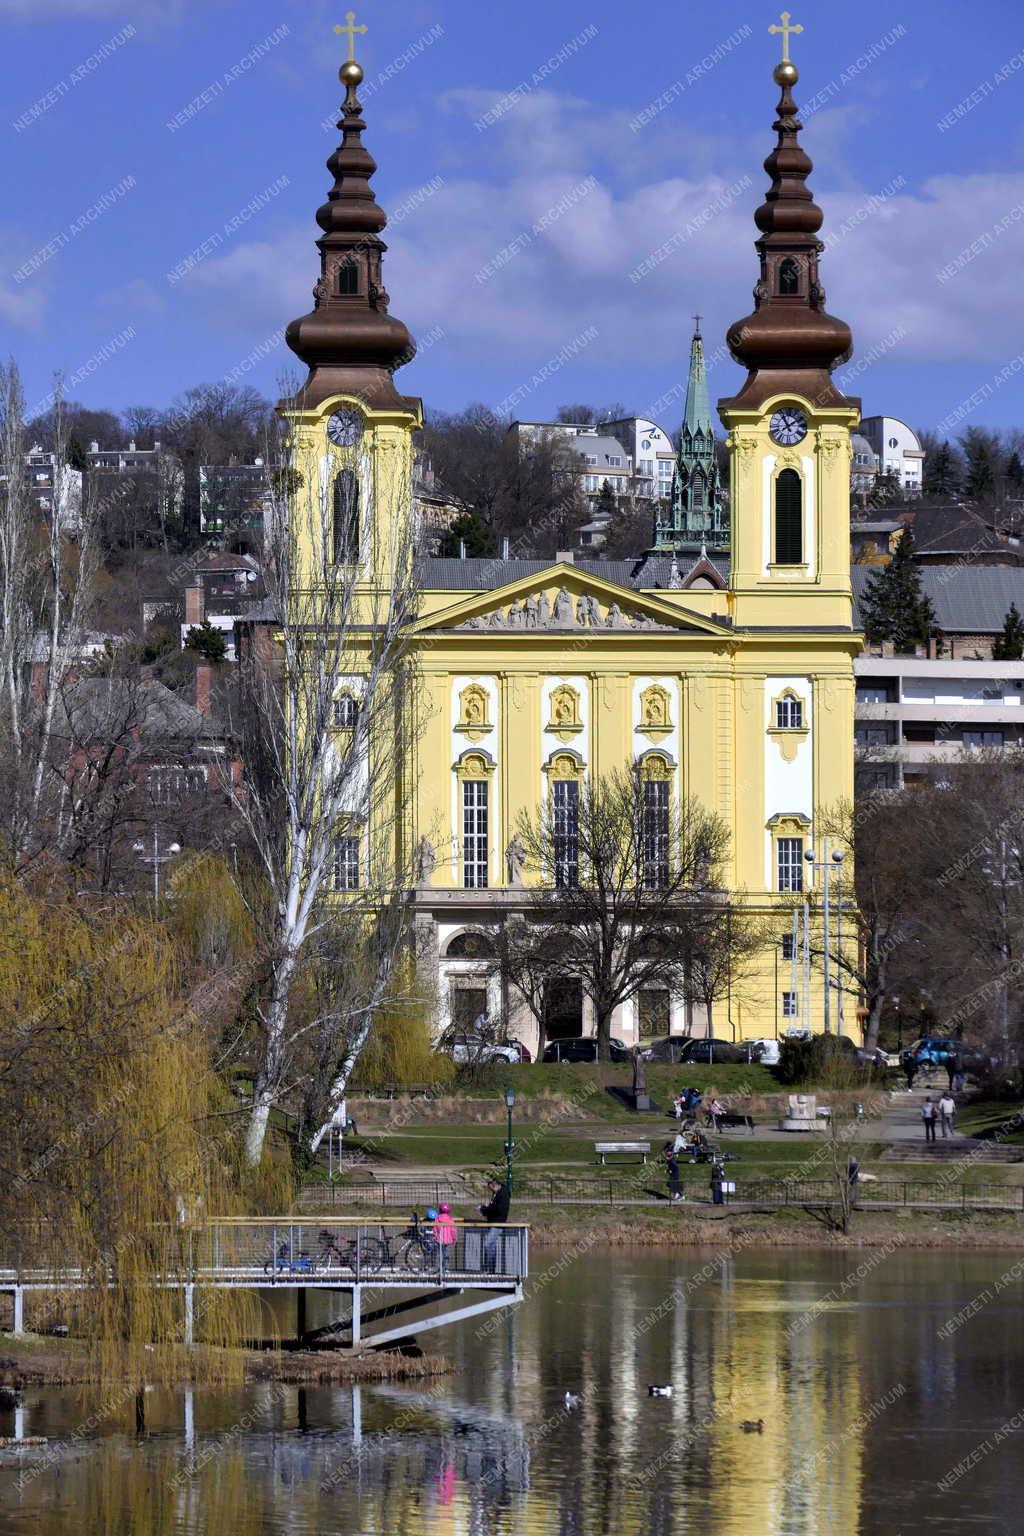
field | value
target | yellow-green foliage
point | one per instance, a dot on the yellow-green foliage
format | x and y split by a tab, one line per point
207	911
399	1049
116	1144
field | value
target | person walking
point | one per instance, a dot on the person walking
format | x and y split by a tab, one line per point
853	1178
947	1111
496	1211
929	1116
910	1070
678	1104
715	1112
717	1179
675	1188
955	1068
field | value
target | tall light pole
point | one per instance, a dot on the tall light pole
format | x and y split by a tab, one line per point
825	865
510	1146
156	858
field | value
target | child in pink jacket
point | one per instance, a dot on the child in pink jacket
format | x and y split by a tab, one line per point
445	1234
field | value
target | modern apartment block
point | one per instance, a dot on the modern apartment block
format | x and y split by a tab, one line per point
915	713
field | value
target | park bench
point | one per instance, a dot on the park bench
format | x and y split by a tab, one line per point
731	1118
605	1149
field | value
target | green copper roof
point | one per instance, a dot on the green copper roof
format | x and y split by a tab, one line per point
697	415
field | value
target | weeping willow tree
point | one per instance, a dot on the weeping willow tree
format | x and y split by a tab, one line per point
117	1146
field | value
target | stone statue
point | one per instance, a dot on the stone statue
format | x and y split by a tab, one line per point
615	619
581	613
426	861
594	609
531	613
543	610
515	857
563	607
641	1099
675	581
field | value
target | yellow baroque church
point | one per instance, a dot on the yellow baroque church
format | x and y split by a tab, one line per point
729	678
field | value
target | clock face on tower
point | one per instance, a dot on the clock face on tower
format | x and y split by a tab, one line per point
345	428
788	426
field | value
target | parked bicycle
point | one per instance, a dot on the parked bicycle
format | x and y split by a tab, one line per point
416	1250
368	1254
286	1263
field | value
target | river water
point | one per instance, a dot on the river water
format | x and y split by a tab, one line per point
892	1401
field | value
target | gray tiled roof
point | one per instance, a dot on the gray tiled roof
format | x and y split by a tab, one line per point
968	599
641	574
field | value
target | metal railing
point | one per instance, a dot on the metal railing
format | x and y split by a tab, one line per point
403	1193
318	1251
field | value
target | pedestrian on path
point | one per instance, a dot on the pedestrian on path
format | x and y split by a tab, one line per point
910	1069
947	1110
675	1188
929	1114
717	1178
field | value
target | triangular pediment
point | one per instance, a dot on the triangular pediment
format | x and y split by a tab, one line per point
563	599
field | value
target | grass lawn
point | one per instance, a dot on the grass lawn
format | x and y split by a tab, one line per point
588	1082
984	1117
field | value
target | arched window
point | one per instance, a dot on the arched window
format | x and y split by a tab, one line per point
789	518
789	277
346	517
697	489
348	278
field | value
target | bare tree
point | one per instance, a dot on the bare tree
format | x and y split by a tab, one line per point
325	734
47	560
625	881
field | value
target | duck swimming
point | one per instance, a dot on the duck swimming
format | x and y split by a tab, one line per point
752	1426
665	1391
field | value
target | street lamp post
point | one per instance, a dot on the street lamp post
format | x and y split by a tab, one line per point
825	864
156	858
510	1146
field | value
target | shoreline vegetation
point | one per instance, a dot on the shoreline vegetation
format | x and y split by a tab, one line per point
38	1360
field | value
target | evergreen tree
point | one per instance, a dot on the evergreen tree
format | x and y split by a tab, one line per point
893	606
1015	475
887	491
471	530
207	641
942	473
1009	646
981	450
605	502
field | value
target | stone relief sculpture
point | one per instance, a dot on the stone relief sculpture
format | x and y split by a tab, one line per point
515	858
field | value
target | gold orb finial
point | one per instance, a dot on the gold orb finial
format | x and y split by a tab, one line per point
350	74
786	73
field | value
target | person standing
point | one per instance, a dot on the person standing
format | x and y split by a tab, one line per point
947	1110
910	1070
496	1210
928	1116
675	1187
853	1178
717	1179
445	1234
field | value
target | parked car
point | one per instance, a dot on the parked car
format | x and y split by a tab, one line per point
468	1047
713	1051
935	1051
668	1048
517	1045
582	1048
765	1050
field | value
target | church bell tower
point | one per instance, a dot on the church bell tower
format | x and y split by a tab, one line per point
789	426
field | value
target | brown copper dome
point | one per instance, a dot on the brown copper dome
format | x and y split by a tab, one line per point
789	342
349	341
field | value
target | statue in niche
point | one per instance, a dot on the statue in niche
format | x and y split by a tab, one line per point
565	713
515	858
426	861
543	611
563	607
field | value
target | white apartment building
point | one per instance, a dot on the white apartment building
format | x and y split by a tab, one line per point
634	454
914	713
897	449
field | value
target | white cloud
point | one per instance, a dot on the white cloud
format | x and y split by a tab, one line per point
473	258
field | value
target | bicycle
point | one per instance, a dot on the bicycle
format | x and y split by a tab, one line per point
417	1250
282	1264
369	1254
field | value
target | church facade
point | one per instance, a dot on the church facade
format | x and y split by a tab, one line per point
726	673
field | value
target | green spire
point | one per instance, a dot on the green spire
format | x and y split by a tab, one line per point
696	516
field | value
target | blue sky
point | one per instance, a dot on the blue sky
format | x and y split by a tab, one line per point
570	182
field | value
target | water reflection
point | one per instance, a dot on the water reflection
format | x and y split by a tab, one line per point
865	1404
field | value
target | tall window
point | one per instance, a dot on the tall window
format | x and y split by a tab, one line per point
697	491
656	834
565	828
346	517
474	834
348	278
790	856
346	863
789	713
789	1005
789	277
788	946
346	712
789	517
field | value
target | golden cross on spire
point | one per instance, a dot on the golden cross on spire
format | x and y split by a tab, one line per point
785	29
351	29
